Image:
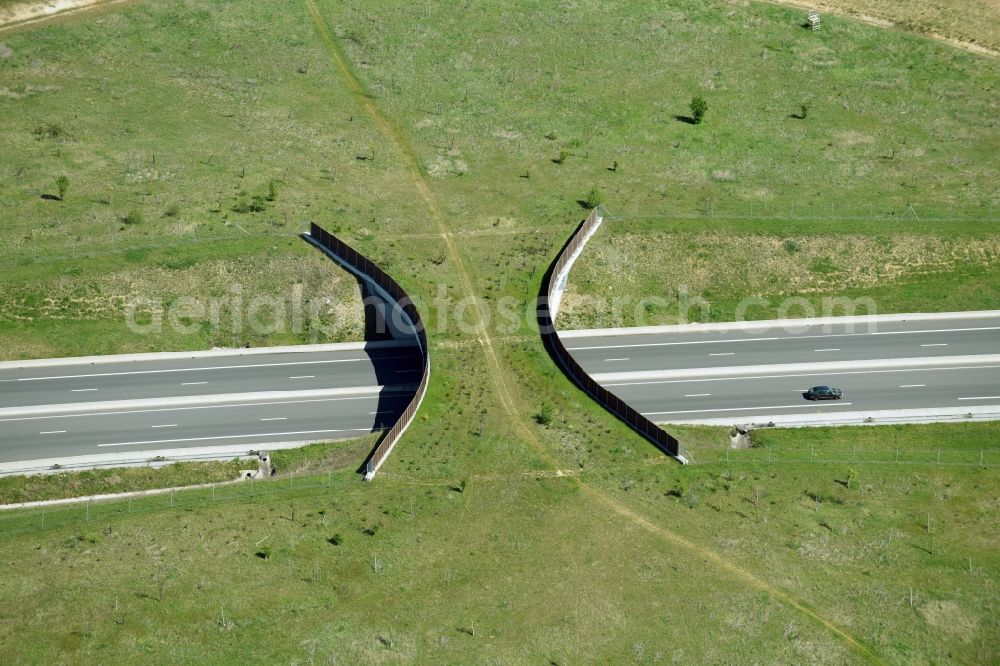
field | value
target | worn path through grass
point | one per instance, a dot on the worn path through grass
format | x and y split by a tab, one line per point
499	374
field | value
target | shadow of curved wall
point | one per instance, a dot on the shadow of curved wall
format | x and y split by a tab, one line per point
401	316
549	298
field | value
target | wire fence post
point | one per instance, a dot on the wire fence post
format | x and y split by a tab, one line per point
939	457
130	505
88	509
897	455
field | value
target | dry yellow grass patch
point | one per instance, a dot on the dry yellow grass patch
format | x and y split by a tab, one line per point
633	266
972	22
282	279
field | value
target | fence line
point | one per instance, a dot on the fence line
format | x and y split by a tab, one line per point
364	267
546	323
855	455
89	511
11	260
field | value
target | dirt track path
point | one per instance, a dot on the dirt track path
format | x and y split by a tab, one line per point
500	373
28	14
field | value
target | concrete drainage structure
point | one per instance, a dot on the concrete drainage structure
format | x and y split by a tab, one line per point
553	286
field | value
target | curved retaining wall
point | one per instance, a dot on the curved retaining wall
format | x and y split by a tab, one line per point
403	313
549	299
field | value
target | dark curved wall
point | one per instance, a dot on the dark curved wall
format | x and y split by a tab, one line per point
402	304
659	437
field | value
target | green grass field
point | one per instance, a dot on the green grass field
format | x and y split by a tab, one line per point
489	537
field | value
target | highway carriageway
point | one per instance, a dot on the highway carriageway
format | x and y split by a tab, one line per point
168	402
938	368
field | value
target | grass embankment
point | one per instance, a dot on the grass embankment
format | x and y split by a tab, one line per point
287	462
770	269
512	567
542	552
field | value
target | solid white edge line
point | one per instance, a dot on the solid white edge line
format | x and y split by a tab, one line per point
119	406
912	385
856	418
984	397
832	403
790	336
765	324
174	370
217	437
788	369
186	408
806	374
209	353
52	432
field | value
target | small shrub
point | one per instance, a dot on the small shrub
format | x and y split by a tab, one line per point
852	479
272	191
594	198
264	553
680	488
698	108
552	136
173	210
545	415
132	217
803	111
823	266
62	182
562	157
48	131
335	540
791	247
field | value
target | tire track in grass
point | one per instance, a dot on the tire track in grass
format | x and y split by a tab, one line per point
412	164
498	375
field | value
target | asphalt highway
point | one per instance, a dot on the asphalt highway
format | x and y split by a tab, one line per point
821	343
755	374
207	375
247	401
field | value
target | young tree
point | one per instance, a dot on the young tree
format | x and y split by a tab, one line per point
62	182
594	198
698	108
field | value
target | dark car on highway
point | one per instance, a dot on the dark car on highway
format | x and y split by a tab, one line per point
823	393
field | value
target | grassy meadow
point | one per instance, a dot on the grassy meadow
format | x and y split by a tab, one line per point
456	155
